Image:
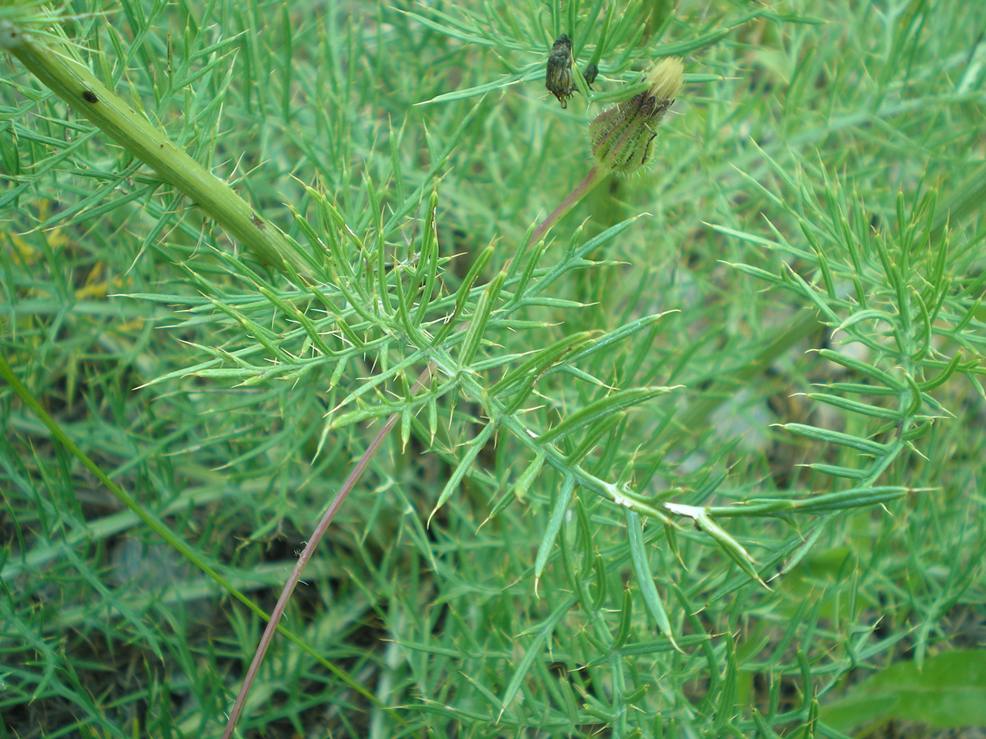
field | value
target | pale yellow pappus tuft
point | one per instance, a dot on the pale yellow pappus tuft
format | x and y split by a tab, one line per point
665	78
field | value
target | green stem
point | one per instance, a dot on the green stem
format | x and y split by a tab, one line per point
68	78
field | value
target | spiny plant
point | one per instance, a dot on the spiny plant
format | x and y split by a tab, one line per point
564	534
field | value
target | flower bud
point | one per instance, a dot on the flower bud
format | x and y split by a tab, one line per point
622	135
558	77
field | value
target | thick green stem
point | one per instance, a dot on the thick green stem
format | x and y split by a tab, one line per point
76	85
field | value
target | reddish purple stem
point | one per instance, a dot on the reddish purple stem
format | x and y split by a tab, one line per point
582	189
592	179
306	554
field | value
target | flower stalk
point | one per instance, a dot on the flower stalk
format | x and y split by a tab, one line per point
621	135
55	65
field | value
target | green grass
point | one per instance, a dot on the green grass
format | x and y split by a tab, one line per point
705	462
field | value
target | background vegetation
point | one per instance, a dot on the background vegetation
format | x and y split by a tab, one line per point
760	359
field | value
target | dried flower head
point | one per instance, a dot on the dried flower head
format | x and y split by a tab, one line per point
558	78
590	74
622	135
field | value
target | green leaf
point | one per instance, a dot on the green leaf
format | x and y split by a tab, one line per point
554	526
603	408
869	370
527	74
477	327
531	369
533	652
949	693
864	409
641	568
836	437
621	333
468	457
462	294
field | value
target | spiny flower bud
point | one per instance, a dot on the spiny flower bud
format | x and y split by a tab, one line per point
558	77
622	135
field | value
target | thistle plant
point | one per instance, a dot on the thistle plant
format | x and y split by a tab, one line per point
739	496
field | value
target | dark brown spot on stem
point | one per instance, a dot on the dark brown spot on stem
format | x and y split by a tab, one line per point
89	96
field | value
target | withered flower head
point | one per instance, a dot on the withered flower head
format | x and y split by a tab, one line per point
590	74
558	78
622	135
